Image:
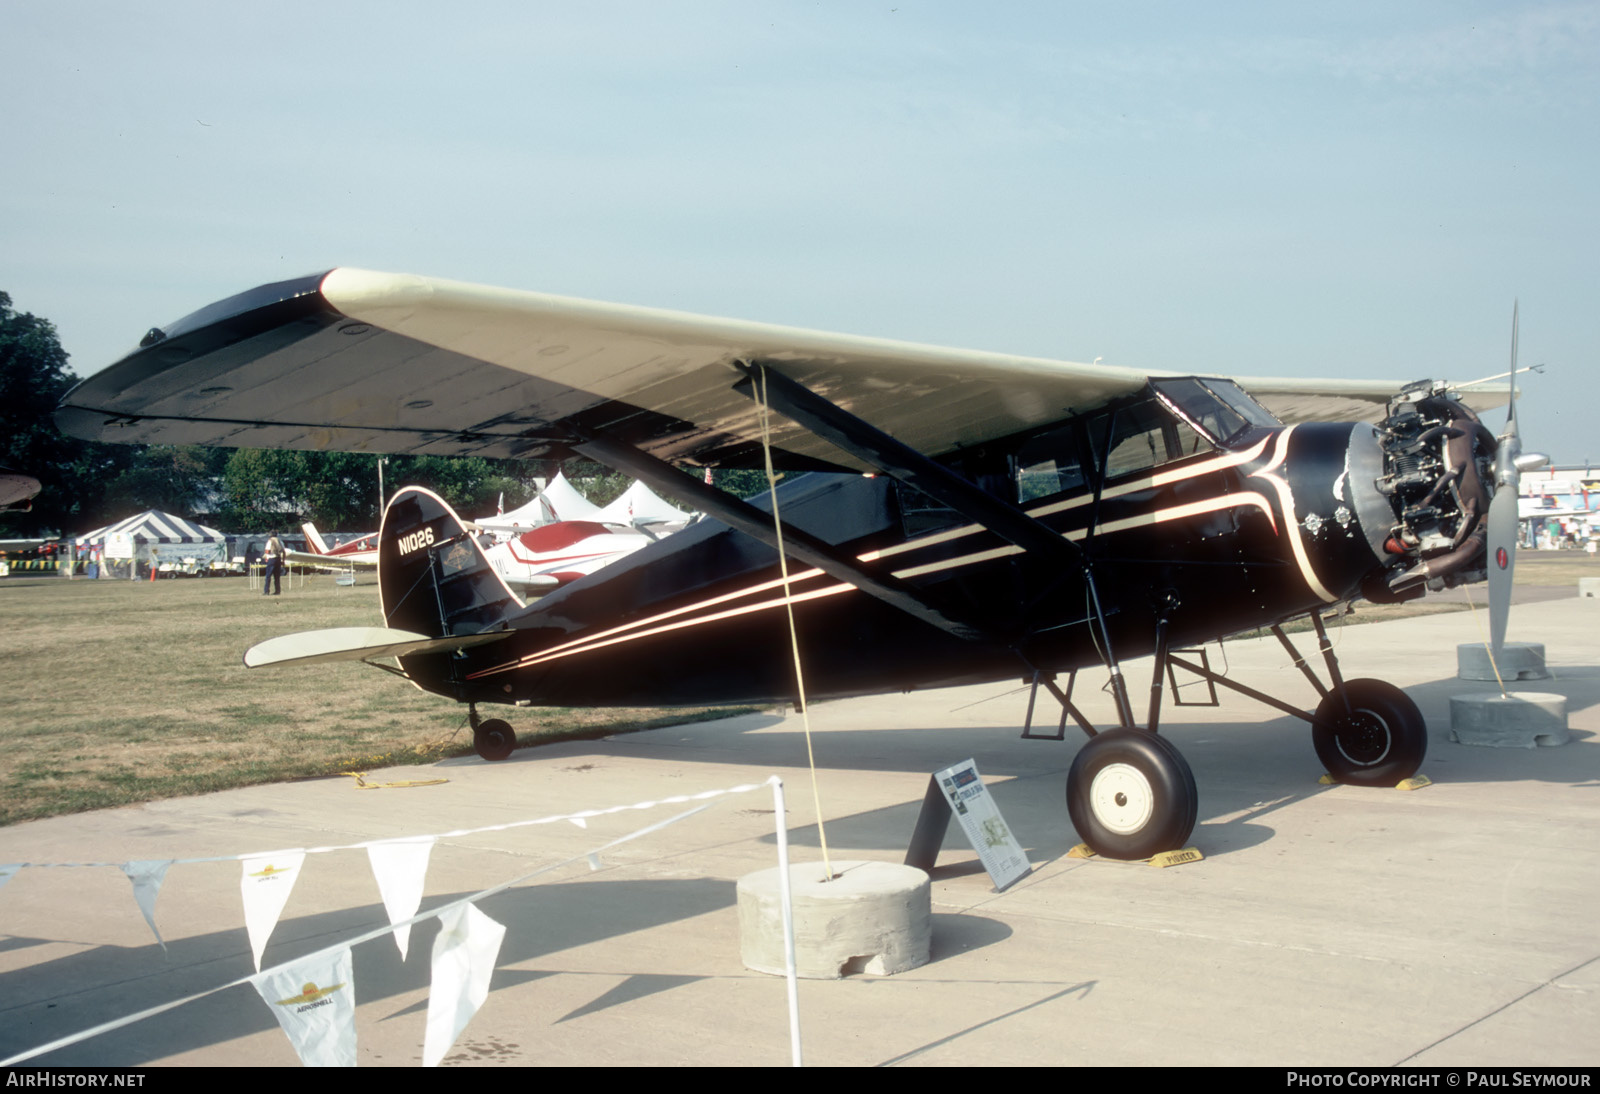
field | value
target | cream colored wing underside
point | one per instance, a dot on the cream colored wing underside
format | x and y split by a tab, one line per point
933	398
682	365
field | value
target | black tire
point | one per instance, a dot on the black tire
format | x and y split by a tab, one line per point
1131	795
494	739
1378	739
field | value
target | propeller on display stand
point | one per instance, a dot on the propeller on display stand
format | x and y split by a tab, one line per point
1509	463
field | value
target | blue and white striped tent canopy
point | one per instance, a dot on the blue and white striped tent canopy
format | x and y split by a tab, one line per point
154	526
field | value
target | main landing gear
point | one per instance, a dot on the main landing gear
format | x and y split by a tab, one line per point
1131	794
1369	733
492	738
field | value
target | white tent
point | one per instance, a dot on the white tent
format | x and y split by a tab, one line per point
562	502
558	501
517	521
154	537
641	505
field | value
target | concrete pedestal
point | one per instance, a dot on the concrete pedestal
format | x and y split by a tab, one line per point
872	917
1520	719
1518	661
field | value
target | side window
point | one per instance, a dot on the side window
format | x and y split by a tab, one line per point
1135	450
1143	436
1189	443
1049	465
921	515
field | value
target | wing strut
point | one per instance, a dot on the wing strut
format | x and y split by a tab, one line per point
877	449
758	524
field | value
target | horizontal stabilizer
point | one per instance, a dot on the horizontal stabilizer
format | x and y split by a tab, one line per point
356	644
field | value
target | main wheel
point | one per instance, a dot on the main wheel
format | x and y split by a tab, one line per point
494	739
1131	795
1377	739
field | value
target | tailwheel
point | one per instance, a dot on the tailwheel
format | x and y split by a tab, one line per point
1131	795
494	739
1377	738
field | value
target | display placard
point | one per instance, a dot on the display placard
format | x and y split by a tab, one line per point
980	819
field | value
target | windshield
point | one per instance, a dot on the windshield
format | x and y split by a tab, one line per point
1218	408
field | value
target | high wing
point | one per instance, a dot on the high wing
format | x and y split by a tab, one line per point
393	363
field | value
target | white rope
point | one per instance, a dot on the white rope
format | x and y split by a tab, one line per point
453	834
388	928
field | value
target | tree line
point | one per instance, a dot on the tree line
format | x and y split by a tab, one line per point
87	485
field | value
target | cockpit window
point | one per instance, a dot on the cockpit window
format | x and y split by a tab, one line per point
1219	408
1048	464
1143	435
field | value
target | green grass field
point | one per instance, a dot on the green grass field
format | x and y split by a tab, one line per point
120	691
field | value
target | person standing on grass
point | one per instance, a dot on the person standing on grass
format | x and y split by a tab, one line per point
272	577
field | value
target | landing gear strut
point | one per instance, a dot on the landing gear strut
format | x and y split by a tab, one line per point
492	738
1131	795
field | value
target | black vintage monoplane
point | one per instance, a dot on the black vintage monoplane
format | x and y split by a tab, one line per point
967	516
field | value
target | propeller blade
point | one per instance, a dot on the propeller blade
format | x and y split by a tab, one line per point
1502	562
1503	513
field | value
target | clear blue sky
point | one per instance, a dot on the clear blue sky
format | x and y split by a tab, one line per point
1340	189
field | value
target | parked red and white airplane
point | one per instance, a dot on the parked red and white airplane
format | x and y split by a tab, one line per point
361	553
532	564
551	555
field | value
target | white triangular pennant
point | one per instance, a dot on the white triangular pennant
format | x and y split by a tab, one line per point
265	886
147	875
400	870
463	958
9	870
314	1000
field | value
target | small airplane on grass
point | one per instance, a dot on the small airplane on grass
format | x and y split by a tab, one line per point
357	554
971	517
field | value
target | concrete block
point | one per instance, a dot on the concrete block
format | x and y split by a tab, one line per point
1589	587
1518	661
872	917
1520	719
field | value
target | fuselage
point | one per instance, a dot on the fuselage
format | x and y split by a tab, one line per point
1218	539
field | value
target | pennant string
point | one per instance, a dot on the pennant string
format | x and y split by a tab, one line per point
706	798
581	815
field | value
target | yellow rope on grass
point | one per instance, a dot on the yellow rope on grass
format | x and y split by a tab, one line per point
362	784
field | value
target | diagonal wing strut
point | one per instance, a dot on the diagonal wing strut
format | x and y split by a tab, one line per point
758	524
899	461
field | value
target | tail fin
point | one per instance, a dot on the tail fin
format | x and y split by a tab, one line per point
314	539
433	578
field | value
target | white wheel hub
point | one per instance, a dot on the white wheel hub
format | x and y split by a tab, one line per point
1122	799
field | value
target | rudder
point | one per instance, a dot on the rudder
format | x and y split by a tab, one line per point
433	578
